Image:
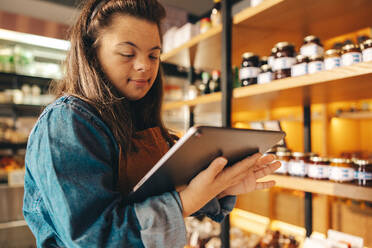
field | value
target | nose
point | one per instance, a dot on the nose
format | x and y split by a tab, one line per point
142	63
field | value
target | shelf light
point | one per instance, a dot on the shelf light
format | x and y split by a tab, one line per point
34	40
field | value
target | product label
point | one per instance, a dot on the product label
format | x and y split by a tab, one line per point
351	58
316	66
270	61
297	168
284	168
341	174
367	54
318	171
331	63
363	175
248	72
299	70
264	78
283	63
311	50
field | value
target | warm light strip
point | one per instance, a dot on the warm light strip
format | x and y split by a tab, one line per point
34	40
249	222
288	228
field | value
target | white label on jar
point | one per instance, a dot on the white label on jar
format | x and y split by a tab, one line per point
270	61
331	63
297	168
265	77
363	175
318	171
311	50
341	174
283	63
284	168
367	54
316	66
248	72
351	58
299	70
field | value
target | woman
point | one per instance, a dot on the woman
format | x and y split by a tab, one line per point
104	132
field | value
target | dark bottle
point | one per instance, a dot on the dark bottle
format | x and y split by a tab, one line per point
204	85
215	83
249	69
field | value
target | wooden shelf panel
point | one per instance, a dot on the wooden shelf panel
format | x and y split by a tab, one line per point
362	115
323	187
341	84
259	29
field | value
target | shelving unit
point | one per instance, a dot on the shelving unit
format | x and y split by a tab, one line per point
362	115
9	80
20	110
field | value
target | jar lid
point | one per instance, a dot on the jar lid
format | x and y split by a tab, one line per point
316	57
300	154
319	159
311	38
331	52
349	47
282	154
362	162
274	50
248	55
265	67
283	44
264	58
367	42
340	160
302	58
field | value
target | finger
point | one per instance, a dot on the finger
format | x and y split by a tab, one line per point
267	170
241	166
216	166
265	185
263	161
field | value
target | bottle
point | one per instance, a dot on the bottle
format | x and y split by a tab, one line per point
215	83
216	17
204	85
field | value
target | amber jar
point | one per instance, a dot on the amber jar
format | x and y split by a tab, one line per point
332	59
350	55
300	67
316	64
318	168
367	50
284	60
341	170
266	75
363	172
311	46
298	164
284	158
249	69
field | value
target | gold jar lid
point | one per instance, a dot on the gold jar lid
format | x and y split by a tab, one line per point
340	160
248	55
362	162
316	58
332	52
367	43
301	154
319	159
349	47
265	68
283	44
283	154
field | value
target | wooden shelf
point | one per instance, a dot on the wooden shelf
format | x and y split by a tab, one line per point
259	28
356	115
322	187
24	110
341	84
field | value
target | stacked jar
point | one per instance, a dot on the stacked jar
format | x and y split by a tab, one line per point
313	49
367	50
249	69
284	59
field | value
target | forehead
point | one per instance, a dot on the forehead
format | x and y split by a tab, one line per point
141	32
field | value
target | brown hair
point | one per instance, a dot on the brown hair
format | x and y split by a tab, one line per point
85	78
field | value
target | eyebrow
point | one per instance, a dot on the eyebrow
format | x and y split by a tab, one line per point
134	45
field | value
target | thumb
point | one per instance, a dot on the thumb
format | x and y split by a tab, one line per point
216	166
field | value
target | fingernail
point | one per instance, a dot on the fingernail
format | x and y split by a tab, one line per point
222	160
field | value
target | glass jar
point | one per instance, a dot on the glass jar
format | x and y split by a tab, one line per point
300	67
311	46
318	168
350	55
284	158
341	170
204	85
284	60
249	69
266	75
363	172
316	64
367	50
271	58
264	60
298	165
332	59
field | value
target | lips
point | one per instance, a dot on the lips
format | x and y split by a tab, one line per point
139	82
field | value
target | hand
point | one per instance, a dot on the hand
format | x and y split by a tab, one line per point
215	180
264	166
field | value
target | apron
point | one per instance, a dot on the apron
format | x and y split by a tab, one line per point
151	147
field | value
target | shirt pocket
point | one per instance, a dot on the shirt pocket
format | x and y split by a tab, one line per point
32	201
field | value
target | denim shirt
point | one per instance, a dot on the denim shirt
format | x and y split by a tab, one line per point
70	195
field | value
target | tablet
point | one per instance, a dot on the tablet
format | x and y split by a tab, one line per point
196	150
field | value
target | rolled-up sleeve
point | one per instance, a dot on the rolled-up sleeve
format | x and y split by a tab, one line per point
72	158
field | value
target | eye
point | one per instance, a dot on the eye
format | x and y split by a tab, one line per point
153	57
127	55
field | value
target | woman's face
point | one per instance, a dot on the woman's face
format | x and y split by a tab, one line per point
129	52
